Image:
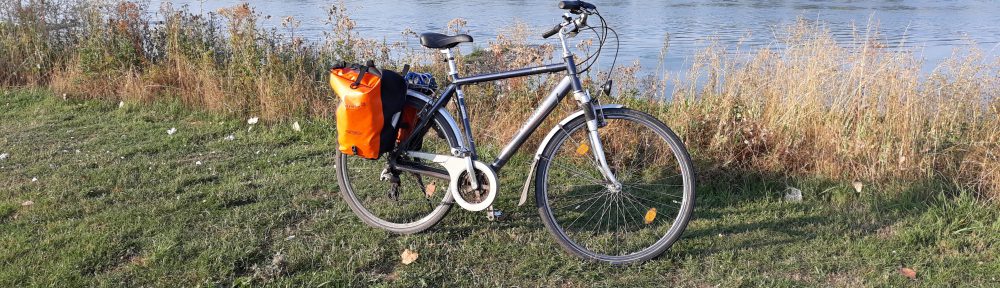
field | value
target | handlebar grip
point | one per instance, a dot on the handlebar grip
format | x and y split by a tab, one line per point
551	32
575	5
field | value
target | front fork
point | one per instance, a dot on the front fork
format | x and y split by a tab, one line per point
595	121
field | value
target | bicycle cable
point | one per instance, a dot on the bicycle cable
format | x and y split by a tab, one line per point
602	40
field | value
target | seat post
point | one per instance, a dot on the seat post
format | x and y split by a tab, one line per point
452	67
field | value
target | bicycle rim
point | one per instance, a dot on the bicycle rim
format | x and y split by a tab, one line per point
586	214
421	201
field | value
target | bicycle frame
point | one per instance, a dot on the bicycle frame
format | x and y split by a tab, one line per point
467	146
527	129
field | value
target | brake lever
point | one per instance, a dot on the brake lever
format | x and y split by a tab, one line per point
581	22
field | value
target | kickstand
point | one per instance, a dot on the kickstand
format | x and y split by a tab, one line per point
420	181
496	214
394	187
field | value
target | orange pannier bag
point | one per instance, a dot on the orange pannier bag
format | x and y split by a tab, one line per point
371	100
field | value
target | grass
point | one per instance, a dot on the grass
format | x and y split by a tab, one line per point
115	200
119	202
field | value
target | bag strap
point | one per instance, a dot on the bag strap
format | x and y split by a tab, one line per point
362	70
339	64
361	75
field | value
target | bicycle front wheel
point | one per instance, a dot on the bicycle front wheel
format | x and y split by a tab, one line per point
596	220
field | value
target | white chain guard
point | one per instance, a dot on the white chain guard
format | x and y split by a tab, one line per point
455	167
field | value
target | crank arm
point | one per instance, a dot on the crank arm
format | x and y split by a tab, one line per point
455	166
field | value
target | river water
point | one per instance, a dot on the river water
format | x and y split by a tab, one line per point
932	29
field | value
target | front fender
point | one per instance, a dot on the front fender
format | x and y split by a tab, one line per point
545	143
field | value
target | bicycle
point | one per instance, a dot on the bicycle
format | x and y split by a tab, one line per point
623	168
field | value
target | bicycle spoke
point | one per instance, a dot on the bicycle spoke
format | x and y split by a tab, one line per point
661	204
584	210
589	156
650	191
595	196
411	209
615	223
568	169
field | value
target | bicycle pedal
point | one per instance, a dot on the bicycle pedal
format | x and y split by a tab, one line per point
497	216
385	175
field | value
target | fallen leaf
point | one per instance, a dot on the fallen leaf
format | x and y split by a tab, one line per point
409	256
908	273
858	186
28	203
582	149
650	216
429	191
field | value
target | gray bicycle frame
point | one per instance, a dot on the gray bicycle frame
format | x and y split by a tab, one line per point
467	149
543	110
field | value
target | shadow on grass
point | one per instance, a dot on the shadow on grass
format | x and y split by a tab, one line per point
745	202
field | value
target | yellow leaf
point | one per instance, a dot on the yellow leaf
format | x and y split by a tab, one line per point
409	256
650	215
429	191
908	273
583	149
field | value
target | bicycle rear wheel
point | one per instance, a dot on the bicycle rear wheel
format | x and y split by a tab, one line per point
595	220
420	201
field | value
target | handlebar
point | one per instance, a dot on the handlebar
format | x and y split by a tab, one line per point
551	32
575	6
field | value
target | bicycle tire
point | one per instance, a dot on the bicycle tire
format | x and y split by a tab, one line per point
353	198
684	210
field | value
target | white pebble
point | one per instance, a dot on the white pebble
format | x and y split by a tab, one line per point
793	194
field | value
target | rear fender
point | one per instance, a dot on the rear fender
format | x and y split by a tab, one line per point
452	124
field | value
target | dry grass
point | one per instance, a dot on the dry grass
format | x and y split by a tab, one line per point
852	111
818	107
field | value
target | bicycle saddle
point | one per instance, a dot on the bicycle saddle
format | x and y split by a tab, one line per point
441	41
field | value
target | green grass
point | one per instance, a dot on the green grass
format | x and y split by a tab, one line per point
119	202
